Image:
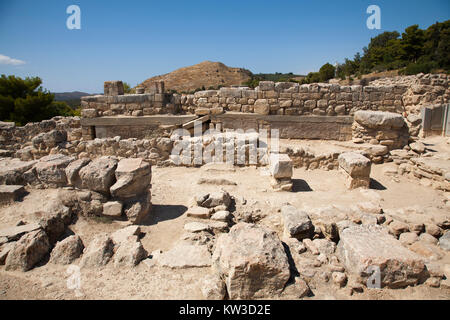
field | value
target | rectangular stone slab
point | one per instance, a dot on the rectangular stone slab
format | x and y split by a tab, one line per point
10	193
14	233
363	247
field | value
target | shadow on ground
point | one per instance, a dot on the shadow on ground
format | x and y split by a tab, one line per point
374	184
162	212
300	185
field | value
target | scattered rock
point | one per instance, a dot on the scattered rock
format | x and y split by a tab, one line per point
98	175
129	252
444	241
98	252
67	250
133	178
252	261
112	209
28	251
297	224
10	193
361	247
198	212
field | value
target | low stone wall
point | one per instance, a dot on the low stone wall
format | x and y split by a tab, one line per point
13	137
130	105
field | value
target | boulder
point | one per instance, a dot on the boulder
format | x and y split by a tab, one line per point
4	251
73	170
12	170
252	261
138	209
133	177
129	252
98	252
98	175
357	168
379	119
261	107
50	170
28	251
361	247
297	223
123	234
213	288
280	166
67	250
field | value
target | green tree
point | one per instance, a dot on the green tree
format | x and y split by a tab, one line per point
24	100
326	72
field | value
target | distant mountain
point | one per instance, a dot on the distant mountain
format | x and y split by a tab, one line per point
206	74
66	96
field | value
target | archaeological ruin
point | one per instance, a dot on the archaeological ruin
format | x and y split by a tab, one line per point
281	191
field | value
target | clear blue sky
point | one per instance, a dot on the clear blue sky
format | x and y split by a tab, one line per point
134	40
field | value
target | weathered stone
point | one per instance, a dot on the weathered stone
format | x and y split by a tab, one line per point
12	170
252	261
10	193
280	166
198	212
4	251
408	238
444	241
222	215
357	167
14	233
133	178
379	119
213	199
123	234
73	170
129	253
98	175
261	106
397	227
67	250
362	247
325	246
50	170
28	251
112	209
98	252
297	223
213	288
137	210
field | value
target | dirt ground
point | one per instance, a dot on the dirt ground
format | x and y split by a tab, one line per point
172	189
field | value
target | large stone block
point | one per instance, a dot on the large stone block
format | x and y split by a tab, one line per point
50	170
252	261
364	248
261	106
113	88
357	168
280	166
379	119
133	178
98	175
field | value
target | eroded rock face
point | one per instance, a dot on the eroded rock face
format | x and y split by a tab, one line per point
67	250
28	251
99	174
252	261
12	170
138	209
213	199
362	247
133	178
379	119
73	170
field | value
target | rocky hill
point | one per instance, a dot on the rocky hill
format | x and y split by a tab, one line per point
205	74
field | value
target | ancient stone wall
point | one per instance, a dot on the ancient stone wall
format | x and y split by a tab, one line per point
14	138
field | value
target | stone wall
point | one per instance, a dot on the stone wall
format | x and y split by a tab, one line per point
13	138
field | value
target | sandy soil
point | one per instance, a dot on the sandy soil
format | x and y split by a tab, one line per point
172	189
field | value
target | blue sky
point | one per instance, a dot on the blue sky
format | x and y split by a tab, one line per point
134	40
